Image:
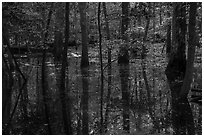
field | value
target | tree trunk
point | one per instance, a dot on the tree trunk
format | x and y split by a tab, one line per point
182	118
38	89
7	84
101	65
84	101
109	70
151	111
191	51
43	75
83	22
58	45
123	61
84	68
63	96
189	66
174	28
75	22
24	102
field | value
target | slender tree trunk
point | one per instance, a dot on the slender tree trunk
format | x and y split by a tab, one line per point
84	101
43	75
63	96
38	89
168	40
138	99
58	45
79	115
153	73
101	65
44	89
24	102
75	22
174	28
83	22
181	49
58	33
7	85
109	69
84	68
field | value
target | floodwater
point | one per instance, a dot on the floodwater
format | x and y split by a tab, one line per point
88	104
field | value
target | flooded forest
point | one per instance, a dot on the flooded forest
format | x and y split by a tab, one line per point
101	68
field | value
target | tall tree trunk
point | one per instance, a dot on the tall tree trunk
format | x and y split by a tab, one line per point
189	66
182	118
84	68
83	22
191	51
58	33
174	28
7	85
123	61
38	89
43	74
181	49
153	74
101	65
58	45
84	101
109	69
63	96
24	102
75	22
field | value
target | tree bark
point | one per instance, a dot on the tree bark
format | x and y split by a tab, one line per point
63	96
84	101
43	74
182	118
191	51
7	85
174	28
84	68
109	69
83	22
123	61
101	65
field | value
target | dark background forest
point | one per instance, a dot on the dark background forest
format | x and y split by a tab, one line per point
92	68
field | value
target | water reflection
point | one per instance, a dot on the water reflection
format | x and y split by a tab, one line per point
84	93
